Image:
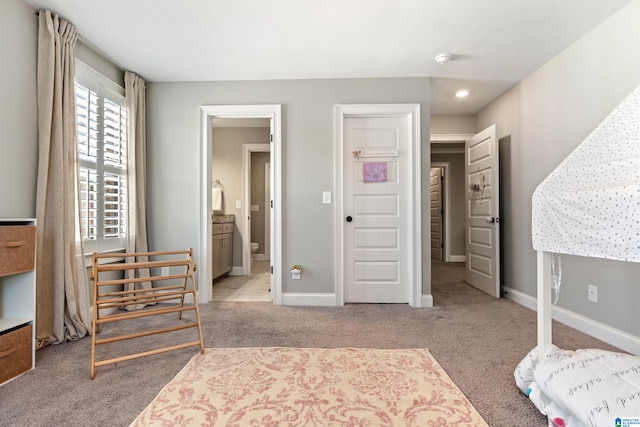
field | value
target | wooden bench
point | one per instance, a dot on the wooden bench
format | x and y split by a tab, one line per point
172	275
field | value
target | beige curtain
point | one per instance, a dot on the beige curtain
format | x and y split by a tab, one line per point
136	145
62	293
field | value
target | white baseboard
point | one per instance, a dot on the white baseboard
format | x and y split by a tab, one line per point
236	271
329	300
427	301
324	300
259	257
615	337
458	258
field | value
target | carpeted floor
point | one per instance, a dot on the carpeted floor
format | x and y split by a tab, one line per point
478	341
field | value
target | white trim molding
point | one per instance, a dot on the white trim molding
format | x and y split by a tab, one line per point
204	255
450	137
301	299
412	111
427	300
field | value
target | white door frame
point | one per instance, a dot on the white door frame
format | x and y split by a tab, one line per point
445	188
247	149
204	254
412	111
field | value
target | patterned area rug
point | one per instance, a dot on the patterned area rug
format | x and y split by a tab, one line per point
311	387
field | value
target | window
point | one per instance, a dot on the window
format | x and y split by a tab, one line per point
102	155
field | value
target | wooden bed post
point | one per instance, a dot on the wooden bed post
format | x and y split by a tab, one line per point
544	301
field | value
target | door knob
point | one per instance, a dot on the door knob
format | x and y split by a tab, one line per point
349	219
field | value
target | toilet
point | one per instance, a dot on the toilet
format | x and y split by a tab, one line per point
254	248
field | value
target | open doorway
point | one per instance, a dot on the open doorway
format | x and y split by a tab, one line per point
479	202
255	158
449	155
253	282
234	201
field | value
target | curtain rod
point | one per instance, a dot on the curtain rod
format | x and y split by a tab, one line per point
93	47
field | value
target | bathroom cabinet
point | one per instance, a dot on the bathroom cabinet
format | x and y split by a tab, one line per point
222	249
17	297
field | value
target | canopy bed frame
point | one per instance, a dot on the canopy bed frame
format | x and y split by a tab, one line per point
588	206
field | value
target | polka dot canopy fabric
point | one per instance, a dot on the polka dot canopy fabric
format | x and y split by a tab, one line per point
590	204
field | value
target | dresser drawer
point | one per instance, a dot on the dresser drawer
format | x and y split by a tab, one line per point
227	227
15	353
17	249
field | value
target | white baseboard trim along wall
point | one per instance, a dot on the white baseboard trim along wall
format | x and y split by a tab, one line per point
615	337
329	300
322	300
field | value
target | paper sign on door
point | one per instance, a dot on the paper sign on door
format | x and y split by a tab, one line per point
374	172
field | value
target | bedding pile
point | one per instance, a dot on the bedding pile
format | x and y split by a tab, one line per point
586	387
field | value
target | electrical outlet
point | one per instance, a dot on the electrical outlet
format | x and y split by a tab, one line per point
164	271
592	293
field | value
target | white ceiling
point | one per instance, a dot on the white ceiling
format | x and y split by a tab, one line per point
495	43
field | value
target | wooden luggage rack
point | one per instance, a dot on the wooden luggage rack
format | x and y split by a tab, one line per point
175	287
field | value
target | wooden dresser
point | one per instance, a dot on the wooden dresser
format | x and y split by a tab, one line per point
17	297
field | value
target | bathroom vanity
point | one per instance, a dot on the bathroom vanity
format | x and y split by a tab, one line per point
222	229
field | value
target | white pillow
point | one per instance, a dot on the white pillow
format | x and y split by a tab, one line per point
592	386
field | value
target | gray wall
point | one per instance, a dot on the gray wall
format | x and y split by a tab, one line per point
307	131
540	121
18	110
453	124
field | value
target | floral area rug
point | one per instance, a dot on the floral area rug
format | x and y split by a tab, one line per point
311	387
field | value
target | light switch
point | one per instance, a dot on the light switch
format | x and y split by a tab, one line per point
326	197
238	204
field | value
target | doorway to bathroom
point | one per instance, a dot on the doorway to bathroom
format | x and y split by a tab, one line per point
223	163
240	164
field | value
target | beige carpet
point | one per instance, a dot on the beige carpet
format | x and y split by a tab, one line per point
280	386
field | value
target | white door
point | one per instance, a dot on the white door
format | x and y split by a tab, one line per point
483	224
435	185
377	209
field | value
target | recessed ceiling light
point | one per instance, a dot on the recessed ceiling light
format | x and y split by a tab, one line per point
462	93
